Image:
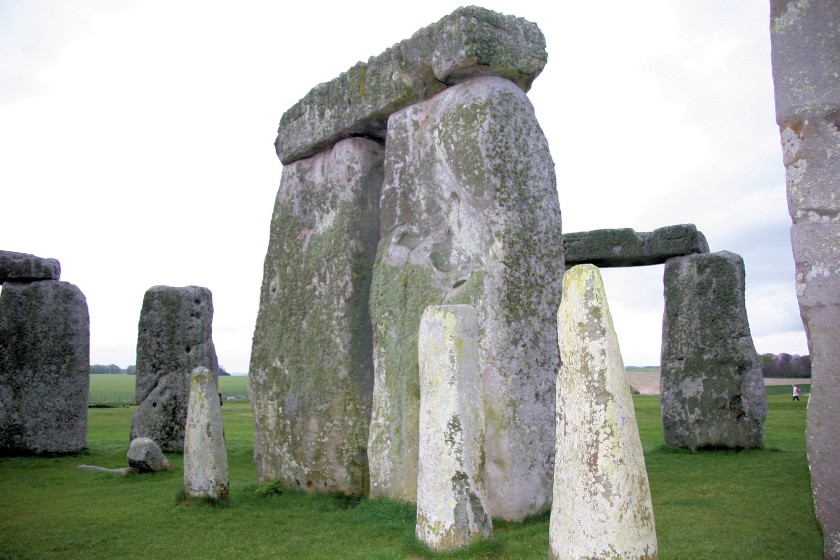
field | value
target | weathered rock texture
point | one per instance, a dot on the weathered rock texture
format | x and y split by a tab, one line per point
602	506
469	42
44	367
451	505
805	39
712	391
311	374
205	454
625	247
470	215
174	337
22	267
145	456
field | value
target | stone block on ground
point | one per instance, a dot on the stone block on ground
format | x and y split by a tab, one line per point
470	42
470	215
712	390
23	267
451	504
602	506
44	367
626	247
205	454
145	456
311	373
174	337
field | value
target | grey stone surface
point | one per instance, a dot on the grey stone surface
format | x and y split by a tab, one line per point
805	40
311	374
44	367
602	506
145	456
451	503
23	267
205	455
712	391
625	247
469	42
470	215
174	337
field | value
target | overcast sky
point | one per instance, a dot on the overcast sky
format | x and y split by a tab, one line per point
136	143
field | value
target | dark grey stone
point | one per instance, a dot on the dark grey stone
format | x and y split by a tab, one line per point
145	456
23	267
469	42
805	41
174	337
44	367
712	391
625	247
311	374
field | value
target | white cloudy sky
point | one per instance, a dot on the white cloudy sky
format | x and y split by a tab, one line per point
136	142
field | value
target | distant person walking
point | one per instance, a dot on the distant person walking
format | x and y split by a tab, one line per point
796	391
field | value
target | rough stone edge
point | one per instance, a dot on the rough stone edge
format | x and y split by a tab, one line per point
631	248
24	267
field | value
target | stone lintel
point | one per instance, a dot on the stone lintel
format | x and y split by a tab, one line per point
469	42
23	267
625	247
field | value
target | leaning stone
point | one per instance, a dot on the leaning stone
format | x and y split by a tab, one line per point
712	390
145	456
174	337
625	247
44	368
602	506
451	503
311	374
805	41
22	267
205	455
469	42
470	215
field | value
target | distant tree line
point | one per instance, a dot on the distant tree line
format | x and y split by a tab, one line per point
785	365
111	368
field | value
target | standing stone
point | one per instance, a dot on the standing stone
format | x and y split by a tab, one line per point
805	39
602	506
311	375
451	504
205	454
470	215
712	390
44	367
174	337
145	456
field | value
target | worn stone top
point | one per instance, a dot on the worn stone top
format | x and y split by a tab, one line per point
467	43
625	247
23	267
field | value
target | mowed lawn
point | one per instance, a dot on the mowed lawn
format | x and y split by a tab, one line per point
119	389
709	505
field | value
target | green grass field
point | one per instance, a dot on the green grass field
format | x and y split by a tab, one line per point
710	505
119	389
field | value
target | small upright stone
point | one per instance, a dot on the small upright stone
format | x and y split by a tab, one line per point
23	267
602	506
205	455
451	504
44	367
712	390
145	456
174	337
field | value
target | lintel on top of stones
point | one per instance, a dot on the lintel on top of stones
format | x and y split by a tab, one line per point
626	247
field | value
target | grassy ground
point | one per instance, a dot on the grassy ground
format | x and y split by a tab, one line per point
119	389
712	505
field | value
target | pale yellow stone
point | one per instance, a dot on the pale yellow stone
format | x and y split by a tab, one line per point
205	454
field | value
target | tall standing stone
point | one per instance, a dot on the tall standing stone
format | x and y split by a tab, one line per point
602	506
175	335
805	39
205	454
712	390
44	367
311	375
470	215
451	504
